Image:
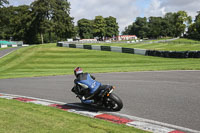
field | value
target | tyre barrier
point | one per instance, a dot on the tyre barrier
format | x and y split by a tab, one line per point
174	54
166	54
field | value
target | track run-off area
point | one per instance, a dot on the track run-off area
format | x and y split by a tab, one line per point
159	97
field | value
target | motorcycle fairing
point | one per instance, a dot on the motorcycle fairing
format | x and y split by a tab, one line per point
93	85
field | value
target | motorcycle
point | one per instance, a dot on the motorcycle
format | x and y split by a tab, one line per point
107	99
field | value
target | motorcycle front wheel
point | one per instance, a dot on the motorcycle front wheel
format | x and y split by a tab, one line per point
114	103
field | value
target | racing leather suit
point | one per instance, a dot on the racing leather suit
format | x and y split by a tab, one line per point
85	86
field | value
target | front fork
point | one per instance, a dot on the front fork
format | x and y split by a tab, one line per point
105	97
111	90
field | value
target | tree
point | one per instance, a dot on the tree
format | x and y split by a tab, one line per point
5	14
53	16
155	27
99	27
111	27
2	2
20	22
63	23
194	29
181	22
192	32
42	21
85	28
16	23
140	27
42	14
197	25
165	28
172	24
169	22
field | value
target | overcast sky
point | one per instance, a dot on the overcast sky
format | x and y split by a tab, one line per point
125	10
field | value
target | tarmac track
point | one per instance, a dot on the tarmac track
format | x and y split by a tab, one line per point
7	51
166	96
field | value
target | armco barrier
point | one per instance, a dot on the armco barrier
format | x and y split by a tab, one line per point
11	45
5	44
96	47
116	49
140	51
166	54
79	46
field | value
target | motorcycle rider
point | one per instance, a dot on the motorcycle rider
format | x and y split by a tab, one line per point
85	86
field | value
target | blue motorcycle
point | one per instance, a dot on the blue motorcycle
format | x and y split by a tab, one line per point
104	97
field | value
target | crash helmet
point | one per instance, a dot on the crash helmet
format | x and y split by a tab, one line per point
78	71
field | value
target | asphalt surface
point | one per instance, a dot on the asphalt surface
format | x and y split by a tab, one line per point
6	51
171	97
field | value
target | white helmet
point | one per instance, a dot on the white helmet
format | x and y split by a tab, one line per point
77	71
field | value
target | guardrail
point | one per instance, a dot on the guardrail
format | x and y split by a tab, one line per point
5	44
167	54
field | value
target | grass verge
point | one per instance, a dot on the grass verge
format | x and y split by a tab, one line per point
3	48
19	117
48	59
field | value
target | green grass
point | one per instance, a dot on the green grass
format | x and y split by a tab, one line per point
19	117
186	40
48	59
176	45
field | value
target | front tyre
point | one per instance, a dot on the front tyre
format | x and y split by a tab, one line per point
114	102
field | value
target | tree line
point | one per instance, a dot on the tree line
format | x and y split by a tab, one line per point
99	27
45	21
171	25
41	21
